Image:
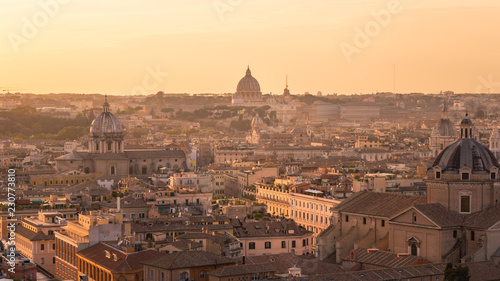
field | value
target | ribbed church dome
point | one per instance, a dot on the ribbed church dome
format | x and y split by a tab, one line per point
248	83
106	123
446	128
466	152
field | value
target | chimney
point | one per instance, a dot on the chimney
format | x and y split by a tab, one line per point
118	204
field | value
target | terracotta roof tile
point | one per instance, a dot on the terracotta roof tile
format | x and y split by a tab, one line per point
378	203
188	260
241	269
383	258
440	215
124	262
483	219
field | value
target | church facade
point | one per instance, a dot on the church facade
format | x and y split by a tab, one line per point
107	154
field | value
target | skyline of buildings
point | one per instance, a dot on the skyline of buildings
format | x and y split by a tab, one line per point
229	140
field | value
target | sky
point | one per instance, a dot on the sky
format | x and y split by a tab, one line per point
123	47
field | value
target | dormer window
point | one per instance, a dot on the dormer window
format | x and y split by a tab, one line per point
493	176
438	175
465	176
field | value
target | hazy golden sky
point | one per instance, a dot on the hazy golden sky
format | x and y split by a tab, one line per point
128	46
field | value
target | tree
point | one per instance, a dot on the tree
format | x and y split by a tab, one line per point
480	113
457	273
167	110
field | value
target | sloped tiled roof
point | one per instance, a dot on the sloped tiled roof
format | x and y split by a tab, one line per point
440	215
383	258
31	235
188	260
124	262
241	269
483	219
309	265
478	271
378	203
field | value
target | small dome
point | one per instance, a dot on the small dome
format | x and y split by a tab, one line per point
248	83
106	123
466	152
446	128
466	120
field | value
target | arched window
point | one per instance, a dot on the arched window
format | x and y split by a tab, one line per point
184	276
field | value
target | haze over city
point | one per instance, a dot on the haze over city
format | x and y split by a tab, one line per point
223	140
204	46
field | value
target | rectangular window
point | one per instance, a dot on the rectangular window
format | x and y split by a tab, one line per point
383	222
293	244
251	245
465	176
346	218
151	274
465	204
283	244
42	247
364	220
438	175
303	242
493	176
472	235
454	234
268	245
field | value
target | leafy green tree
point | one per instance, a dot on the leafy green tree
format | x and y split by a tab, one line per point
480	113
167	110
241	125
456	273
